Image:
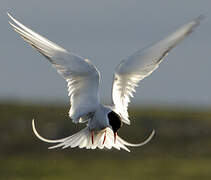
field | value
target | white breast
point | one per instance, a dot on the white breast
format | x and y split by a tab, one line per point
99	120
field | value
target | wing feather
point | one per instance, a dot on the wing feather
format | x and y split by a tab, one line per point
81	75
141	64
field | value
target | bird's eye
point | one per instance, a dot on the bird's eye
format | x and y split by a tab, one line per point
114	121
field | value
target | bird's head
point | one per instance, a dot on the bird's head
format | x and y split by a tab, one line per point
115	122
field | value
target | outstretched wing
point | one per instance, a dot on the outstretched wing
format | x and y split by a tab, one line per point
81	75
141	64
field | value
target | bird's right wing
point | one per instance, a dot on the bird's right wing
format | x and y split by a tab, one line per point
141	64
81	75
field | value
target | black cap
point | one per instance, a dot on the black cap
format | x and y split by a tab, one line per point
114	121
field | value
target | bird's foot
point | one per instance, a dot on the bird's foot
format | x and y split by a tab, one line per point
104	137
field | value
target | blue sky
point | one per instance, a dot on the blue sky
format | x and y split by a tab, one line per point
106	32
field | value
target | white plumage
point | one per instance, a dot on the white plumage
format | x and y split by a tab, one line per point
83	80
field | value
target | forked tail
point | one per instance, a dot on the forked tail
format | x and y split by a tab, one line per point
83	139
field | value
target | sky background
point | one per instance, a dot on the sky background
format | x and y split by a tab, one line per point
107	31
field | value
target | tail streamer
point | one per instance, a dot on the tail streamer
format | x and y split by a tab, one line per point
83	139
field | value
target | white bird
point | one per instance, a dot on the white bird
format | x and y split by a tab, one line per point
83	80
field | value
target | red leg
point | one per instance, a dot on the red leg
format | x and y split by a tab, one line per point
92	136
104	137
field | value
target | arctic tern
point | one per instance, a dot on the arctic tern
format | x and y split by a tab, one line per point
83	79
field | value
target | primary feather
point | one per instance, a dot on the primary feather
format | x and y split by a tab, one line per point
81	75
141	64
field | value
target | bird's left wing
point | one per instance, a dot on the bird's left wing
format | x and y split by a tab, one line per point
81	75
141	64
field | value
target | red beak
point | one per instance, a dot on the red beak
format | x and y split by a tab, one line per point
115	134
92	137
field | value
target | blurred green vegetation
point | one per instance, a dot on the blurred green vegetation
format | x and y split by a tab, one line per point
181	148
